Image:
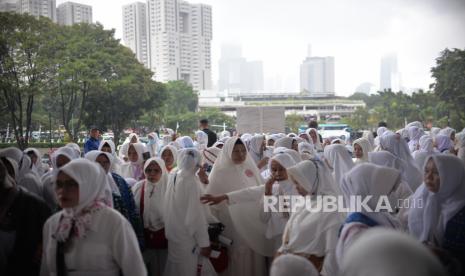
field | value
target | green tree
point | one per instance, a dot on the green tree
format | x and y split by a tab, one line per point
24	68
449	75
181	98
294	121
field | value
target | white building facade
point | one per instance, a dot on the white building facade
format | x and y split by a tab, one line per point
46	8
70	13
317	76
135	31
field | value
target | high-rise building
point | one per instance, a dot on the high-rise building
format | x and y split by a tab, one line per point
178	40
389	74
236	74
38	8
135	31
70	13
8	6
317	75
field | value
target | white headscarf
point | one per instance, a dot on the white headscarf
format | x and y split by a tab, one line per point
371	180
65	151
366	148
285	142
185	142
111	187
209	155
447	131
292	265
23	161
154	196
201	140
429	222
426	149
443	143
224	134
134	169
294	154
37	166
414	135
75	147
434	131
310	174
153	143
255	147
385	252
116	162
123	151
92	182
339	159
174	152
306	150
317	143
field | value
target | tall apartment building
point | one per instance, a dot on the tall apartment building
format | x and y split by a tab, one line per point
135	31
389	73
8	6
317	75
70	13
38	8
178	43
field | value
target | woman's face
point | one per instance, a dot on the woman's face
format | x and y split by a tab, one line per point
67	191
132	154
168	157
358	151
294	145
239	154
277	171
313	136
431	178
33	157
106	148
153	172
133	139
61	160
102	159
270	142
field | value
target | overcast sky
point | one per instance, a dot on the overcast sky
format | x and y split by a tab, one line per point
356	32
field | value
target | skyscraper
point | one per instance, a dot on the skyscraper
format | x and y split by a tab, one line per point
38	8
317	75
389	74
70	13
8	6
135	31
236	74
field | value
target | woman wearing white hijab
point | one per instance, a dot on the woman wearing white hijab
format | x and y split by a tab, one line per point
25	177
277	185
306	150
313	234
87	237
185	142
234	170
313	134
109	146
449	132
414	135
438	222
339	161
379	132
201	140
149	195
224	134
153	143
434	131
426	148
369	136
286	142
134	167
398	147
123	151
59	158
385	252
443	143
37	165
256	149
169	154
361	149
185	217
368	180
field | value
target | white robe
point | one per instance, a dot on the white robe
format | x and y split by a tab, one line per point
186	225
109	248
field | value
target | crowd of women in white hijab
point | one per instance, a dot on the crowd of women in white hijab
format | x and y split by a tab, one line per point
174	206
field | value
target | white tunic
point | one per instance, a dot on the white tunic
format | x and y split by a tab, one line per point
109	248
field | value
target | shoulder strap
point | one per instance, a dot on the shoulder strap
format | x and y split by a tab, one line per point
358	217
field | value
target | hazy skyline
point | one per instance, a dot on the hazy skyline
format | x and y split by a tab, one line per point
356	32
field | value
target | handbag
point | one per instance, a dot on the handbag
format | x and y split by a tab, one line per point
152	239
221	263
